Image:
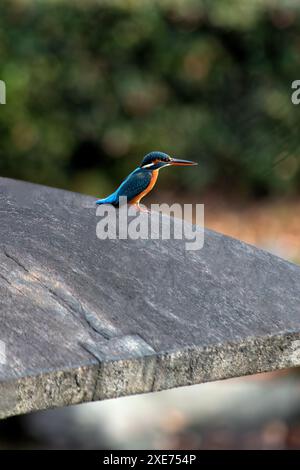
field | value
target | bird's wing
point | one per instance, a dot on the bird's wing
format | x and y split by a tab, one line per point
134	184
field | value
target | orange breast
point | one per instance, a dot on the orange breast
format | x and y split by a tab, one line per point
140	196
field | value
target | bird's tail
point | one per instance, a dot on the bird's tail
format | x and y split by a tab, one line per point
107	200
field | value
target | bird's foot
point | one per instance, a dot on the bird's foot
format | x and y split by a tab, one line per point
141	208
144	209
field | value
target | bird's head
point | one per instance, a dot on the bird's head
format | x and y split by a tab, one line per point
157	160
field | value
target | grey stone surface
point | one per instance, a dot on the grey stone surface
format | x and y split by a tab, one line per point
86	319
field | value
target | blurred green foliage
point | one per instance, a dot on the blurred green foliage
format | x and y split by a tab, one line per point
92	86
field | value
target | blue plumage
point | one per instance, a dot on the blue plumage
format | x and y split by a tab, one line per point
132	186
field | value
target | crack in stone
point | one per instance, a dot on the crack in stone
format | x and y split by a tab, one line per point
90	350
99	368
80	312
5	279
62	302
98	378
156	367
12	258
13	286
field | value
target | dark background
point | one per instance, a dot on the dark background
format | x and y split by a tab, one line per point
92	86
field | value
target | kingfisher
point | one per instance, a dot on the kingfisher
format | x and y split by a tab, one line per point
142	180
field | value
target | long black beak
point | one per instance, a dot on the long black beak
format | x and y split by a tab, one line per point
177	161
